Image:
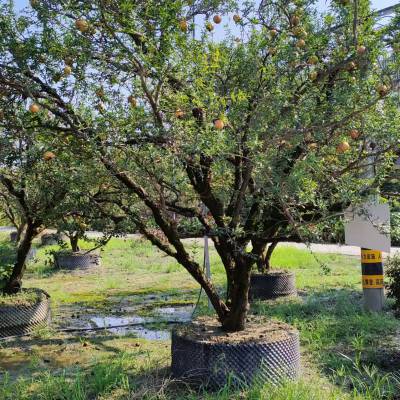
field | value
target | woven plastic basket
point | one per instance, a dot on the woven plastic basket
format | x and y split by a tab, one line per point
212	364
23	319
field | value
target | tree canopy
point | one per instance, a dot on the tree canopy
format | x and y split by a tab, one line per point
257	136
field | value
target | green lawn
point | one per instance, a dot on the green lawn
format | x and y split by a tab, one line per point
346	352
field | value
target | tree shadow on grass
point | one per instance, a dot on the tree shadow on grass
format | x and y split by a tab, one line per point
113	363
134	371
66	351
100	339
335	332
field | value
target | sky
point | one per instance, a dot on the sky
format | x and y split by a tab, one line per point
219	32
377	4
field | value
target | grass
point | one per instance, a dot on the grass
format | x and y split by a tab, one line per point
347	353
7	251
128	268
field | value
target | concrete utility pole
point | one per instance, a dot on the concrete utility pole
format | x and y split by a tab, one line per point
372	279
371	261
367	228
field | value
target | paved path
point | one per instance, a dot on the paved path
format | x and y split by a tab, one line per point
315	247
333	248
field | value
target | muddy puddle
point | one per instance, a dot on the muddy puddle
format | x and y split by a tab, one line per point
144	317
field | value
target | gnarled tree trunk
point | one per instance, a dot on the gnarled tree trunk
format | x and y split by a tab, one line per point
267	259
20	230
73	239
235	319
15	281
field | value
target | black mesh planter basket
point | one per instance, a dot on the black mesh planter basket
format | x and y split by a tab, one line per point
272	285
49	239
73	261
13	236
31	254
20	319
214	364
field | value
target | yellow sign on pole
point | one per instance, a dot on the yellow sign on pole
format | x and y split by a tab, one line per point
372	281
371	256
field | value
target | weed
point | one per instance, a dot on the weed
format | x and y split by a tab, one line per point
341	343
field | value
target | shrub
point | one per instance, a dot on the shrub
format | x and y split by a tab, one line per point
393	286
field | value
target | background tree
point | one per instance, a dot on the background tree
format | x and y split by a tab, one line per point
40	185
10	214
257	137
86	209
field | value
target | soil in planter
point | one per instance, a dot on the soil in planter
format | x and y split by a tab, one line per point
258	330
77	253
26	297
274	272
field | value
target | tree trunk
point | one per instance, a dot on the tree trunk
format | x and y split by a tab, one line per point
259	249
235	319
73	239
20	230
267	259
14	283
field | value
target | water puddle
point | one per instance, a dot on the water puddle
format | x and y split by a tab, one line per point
130	325
123	319
142	333
176	314
106	322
